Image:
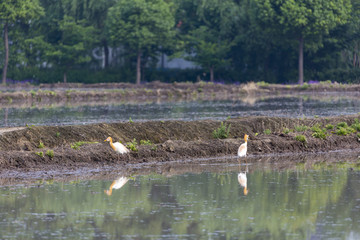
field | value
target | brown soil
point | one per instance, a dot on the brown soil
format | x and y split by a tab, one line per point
171	141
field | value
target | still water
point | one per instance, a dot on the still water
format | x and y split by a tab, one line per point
298	203
299	106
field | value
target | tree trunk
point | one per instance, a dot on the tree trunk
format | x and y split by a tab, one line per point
6	43
301	61
138	68
65	77
211	74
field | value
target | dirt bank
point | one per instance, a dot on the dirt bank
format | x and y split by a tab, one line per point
56	147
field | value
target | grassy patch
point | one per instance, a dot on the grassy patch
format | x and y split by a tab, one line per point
301	128
41	154
267	131
301	138
145	142
50	153
77	145
222	132
41	145
132	145
318	132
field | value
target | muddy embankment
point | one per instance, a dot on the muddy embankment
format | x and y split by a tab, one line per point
55	146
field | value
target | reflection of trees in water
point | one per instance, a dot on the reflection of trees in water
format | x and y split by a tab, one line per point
199	204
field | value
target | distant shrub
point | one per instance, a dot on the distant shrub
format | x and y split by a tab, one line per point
222	132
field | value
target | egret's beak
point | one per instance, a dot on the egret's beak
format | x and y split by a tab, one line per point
246	191
105	140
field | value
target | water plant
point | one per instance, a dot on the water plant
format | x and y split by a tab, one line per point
130	120
222	132
50	153
301	138
132	145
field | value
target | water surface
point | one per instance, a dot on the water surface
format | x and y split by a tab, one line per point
301	106
316	203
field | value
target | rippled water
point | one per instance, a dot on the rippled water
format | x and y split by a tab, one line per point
308	106
318	203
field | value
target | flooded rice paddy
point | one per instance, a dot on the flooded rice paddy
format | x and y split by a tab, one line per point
300	106
321	201
304	202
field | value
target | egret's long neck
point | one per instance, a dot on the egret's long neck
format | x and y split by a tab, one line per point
109	192
111	144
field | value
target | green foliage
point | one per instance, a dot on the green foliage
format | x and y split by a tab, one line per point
356	125
222	132
329	126
342	125
301	128
50	153
262	84
130	120
358	135
41	154
301	138
287	130
41	145
267	131
132	145
77	145
57	134
145	142
318	132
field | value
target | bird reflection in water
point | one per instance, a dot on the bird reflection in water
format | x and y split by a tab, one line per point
117	184
242	179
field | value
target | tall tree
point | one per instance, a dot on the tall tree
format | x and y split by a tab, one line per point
304	20
72	46
208	26
11	12
141	26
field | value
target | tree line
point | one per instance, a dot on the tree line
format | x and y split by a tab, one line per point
275	41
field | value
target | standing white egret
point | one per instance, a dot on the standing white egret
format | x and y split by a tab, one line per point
118	147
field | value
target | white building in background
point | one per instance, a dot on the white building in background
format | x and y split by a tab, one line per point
178	63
